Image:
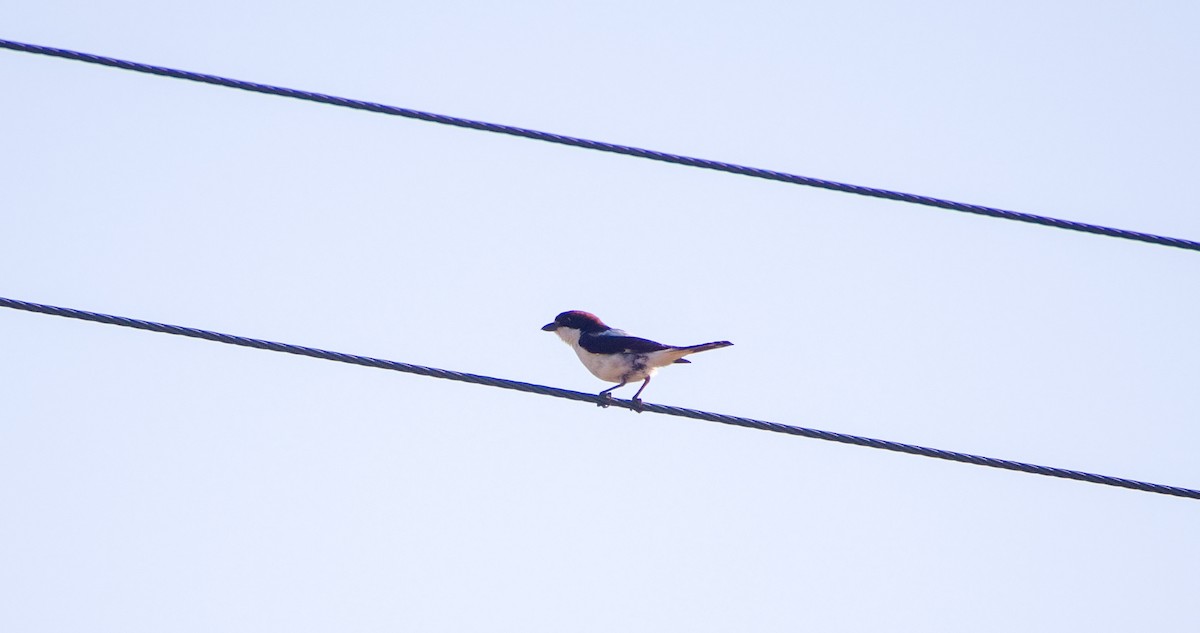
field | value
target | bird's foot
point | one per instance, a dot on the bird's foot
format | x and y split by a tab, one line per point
637	405
605	400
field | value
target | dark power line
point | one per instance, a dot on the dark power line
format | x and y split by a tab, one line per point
604	147
761	425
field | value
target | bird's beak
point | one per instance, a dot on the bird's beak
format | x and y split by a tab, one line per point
549	327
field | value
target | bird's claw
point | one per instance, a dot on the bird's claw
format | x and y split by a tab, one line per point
637	405
605	400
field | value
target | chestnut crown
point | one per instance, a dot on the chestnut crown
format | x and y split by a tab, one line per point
576	319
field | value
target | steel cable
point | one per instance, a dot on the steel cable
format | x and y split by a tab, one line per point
502	383
605	147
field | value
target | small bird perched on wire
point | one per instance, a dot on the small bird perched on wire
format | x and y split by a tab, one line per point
615	356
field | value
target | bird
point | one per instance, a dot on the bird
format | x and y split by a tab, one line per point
613	355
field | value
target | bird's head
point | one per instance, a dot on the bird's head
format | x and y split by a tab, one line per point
576	320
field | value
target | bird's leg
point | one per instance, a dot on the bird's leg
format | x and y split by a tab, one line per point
607	394
637	402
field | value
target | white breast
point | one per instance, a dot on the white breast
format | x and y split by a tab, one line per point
610	367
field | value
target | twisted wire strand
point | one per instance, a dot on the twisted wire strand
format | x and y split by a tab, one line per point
515	385
604	147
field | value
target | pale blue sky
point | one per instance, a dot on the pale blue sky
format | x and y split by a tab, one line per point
151	483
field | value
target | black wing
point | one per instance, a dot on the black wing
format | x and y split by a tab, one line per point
618	344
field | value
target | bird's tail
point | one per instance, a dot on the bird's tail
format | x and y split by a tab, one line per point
703	347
